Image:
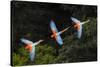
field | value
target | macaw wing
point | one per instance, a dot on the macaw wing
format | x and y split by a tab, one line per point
32	54
53	26
26	41
79	32
75	20
59	40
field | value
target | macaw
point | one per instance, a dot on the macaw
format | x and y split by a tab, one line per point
56	34
30	46
78	26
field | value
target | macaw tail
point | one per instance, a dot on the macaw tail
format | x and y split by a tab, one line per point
85	22
64	30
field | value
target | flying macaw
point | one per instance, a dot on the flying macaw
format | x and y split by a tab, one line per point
56	34
78	26
30	46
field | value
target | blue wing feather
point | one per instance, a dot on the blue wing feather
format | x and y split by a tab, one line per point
79	32
26	41
53	26
59	40
32	54
75	20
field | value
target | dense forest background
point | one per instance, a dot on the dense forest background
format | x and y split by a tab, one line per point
31	20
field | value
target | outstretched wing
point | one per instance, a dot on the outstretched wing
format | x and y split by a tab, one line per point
26	41
59	40
53	27
54	30
79	32
32	53
75	20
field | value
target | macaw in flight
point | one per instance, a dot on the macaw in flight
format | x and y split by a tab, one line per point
78	26
56	35
30	46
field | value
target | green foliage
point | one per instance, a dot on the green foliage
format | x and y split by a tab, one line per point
44	54
19	58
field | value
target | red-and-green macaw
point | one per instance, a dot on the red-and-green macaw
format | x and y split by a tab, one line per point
56	34
30	46
78	26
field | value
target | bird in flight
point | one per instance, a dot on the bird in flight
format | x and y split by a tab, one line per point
30	46
56	35
77	25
